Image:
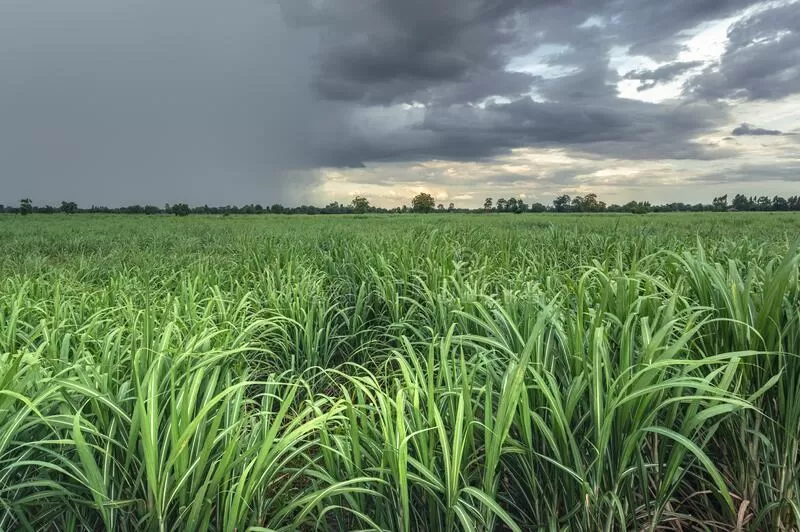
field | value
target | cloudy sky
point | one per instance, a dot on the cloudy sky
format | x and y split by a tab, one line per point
117	102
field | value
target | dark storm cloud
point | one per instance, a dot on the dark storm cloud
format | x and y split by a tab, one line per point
453	55
760	61
387	51
747	129
628	128
654	27
620	129
590	77
663	74
115	102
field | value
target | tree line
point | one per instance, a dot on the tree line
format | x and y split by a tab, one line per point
426	203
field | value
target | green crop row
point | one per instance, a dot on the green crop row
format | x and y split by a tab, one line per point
404	373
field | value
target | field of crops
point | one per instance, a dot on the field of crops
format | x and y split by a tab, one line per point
401	373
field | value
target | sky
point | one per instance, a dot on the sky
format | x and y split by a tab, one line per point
113	102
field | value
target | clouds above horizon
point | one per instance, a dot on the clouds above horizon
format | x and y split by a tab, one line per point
206	103
480	81
747	129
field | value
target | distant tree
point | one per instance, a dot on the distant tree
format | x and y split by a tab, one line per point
360	205
741	203
780	204
307	209
423	202
720	203
637	207
69	207
669	207
181	209
25	206
561	203
592	204
333	208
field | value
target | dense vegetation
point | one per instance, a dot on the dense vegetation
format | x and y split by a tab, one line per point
425	203
400	372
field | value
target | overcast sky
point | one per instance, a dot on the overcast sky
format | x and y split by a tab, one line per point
119	102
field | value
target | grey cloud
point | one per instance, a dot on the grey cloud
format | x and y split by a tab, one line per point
593	82
511	181
654	27
621	128
752	173
747	129
761	61
116	102
387	52
195	101
591	79
550	178
663	74
532	121
451	55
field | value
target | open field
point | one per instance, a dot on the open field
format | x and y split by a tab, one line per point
402	373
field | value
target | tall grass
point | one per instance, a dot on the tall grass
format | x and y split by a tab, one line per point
400	373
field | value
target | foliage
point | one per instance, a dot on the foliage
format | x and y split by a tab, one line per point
25	206
360	204
181	209
423	202
564	203
637	207
561	203
414	373
69	207
588	203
